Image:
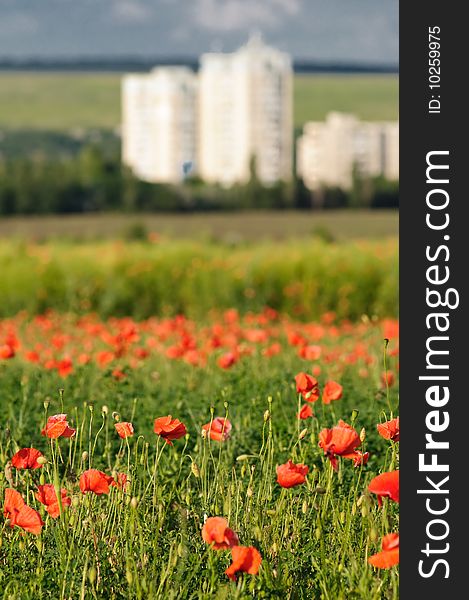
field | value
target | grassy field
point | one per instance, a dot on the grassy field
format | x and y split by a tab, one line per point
227	227
132	521
303	278
68	101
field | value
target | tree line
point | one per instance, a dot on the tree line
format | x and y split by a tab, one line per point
96	181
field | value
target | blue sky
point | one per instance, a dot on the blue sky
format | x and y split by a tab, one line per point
323	30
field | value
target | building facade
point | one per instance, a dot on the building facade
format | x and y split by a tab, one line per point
245	115
331	151
159	124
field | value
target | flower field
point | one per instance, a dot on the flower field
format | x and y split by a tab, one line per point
245	454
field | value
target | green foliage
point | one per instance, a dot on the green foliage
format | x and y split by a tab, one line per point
303	278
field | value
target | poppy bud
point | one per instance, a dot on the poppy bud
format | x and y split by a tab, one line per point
364	510
42	479
39	545
84	456
195	470
134	502
92	575
91	409
304	508
342	517
355	414
318	533
116	416
46	404
242	457
105	410
41	460
302	434
313	438
71	520
204	434
362	435
180	550
128	576
267	415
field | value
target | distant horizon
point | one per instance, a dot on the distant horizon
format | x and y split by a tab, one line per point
103	62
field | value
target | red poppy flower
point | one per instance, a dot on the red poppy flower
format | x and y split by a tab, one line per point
289	475
389	430
6	351
307	386
341	440
385	485
57	426
216	531
20	514
332	391
47	495
26	458
387	379
245	558
121	482
124	429
169	428
389	555
219	429
95	481
305	412
310	352
227	360
359	458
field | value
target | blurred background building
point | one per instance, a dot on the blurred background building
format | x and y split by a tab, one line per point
246	115
231	122
331	153
159	120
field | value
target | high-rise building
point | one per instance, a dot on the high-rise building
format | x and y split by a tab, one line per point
245	115
159	120
331	151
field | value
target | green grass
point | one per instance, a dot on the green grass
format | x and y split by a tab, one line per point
232	228
67	101
370	97
146	543
304	278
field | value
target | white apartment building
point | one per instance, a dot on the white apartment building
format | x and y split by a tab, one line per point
328	152
159	120
245	114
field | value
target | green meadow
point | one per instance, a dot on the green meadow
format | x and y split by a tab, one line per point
68	101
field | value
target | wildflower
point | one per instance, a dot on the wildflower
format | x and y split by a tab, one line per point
95	481
216	531
387	379
169	428
385	485
359	458
20	514
341	440
57	426
26	458
307	386
389	430
219	429
124	429
305	412
389	555
245	558
289	475
47	495
332	391
227	360
120	481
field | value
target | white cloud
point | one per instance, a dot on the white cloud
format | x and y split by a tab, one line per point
129	11
231	15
